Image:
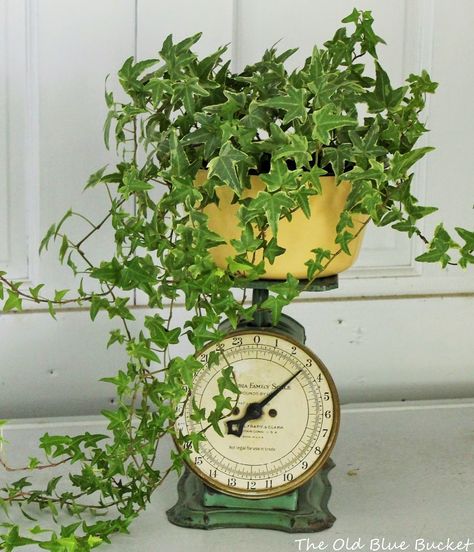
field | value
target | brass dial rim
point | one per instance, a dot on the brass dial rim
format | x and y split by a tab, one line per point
316	466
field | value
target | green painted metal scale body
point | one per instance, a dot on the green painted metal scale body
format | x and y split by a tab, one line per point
304	509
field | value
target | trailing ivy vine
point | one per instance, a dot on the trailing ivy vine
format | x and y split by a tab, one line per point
184	114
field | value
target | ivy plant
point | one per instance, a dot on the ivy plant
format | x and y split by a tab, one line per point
338	114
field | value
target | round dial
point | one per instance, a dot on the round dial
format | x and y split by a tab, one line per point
282	425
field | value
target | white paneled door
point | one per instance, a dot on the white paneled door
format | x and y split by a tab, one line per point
394	329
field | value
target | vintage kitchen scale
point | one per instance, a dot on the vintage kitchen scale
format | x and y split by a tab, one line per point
270	468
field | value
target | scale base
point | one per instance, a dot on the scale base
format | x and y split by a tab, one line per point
304	510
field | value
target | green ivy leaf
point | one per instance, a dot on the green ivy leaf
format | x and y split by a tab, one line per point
95	178
285	293
34	291
12	539
376	172
226	110
139	349
159	333
116	336
108	271
467	236
278	136
60	294
132	183
45	241
401	162
257	116
343	239
199	136
158	88
63	249
280	176
296	149
438	248
240	265
353	17
199	414
186	90
326	119
337	158
366	146
122	382
316	265
247	242
227	381
222	405
224	166
179	161
13	302
274	205
293	103
273	250
51	309
301	197
382	90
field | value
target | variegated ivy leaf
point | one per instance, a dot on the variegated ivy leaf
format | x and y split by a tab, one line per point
274	205
337	157
284	292
273	250
366	146
376	171
326	119
401	162
280	176
296	149
224	166
293	103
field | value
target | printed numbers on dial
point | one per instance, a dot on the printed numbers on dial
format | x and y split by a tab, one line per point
281	445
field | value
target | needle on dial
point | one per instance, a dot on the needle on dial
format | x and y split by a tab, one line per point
255	410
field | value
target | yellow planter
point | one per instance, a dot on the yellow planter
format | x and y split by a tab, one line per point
298	236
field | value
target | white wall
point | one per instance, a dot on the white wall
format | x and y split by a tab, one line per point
393	330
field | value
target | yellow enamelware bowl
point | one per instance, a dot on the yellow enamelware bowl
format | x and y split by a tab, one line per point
298	236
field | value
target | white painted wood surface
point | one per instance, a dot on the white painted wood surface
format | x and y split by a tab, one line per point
403	472
395	353
54	56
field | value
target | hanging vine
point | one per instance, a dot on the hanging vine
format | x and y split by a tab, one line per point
186	114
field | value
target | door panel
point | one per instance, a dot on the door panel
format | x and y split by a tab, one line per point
54	57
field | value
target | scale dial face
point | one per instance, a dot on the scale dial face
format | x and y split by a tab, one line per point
283	424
